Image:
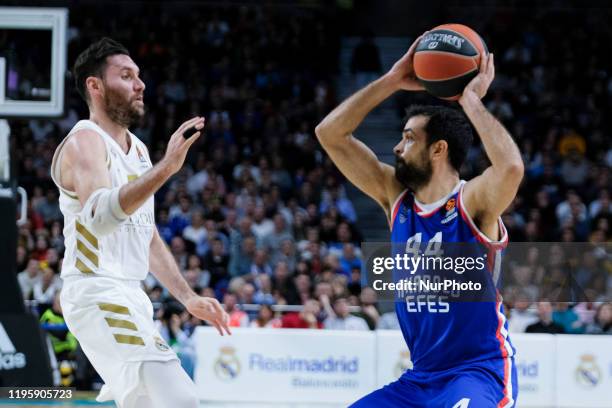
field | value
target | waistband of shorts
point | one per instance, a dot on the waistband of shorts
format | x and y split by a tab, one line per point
132	283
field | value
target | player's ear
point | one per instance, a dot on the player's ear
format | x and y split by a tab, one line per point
93	85
439	149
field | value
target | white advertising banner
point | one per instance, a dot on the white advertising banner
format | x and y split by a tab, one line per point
392	356
271	365
535	365
584	371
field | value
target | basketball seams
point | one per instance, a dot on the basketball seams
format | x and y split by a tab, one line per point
449	78
463	57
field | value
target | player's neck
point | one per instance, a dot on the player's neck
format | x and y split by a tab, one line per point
438	187
118	132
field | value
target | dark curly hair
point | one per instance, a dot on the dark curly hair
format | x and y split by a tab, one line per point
92	62
447	124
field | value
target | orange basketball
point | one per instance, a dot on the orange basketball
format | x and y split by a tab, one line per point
447	58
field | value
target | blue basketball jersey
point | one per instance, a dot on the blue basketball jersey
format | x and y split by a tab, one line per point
442	335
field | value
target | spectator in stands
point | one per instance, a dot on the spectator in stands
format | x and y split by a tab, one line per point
283	283
307	318
241	263
238	318
216	262
195	275
273	241
334	197
603	320
179	251
63	342
263	283
545	323
349	259
266	318
565	317
368	303
521	315
195	232
260	263
46	288
48	208
303	286
388	321
171	330
339	317
29	278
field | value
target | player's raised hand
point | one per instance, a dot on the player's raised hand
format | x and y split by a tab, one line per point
210	310
179	144
481	82
402	73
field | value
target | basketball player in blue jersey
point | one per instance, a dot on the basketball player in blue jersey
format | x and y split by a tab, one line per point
461	352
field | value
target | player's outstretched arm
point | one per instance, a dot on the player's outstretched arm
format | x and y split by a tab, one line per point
353	158
488	195
163	266
85	162
136	192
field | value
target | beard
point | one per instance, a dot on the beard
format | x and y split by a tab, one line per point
413	176
121	110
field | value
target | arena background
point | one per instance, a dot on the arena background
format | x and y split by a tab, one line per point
261	218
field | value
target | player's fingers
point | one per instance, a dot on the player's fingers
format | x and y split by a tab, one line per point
492	65
216	324
192	139
225	323
484	60
416	43
188	123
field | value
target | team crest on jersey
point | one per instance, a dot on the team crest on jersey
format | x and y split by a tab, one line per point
140	155
161	344
451	211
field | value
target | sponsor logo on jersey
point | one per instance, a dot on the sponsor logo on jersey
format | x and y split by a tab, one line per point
451	211
10	359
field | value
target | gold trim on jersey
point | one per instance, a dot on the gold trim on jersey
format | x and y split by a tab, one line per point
111	307
87	253
68	193
120	323
127	339
91	238
82	267
132	177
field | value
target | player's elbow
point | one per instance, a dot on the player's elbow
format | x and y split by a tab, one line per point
514	171
328	136
322	132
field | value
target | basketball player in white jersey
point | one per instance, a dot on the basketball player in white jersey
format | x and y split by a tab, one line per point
106	182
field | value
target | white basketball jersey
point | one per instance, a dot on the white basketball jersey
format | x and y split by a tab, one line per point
123	254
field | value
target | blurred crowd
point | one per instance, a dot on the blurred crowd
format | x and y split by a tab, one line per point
260	216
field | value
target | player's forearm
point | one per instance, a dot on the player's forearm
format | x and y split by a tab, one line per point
343	120
163	266
133	194
499	146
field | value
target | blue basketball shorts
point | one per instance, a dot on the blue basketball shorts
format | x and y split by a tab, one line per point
486	384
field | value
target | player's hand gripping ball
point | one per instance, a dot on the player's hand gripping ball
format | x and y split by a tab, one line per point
447	58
